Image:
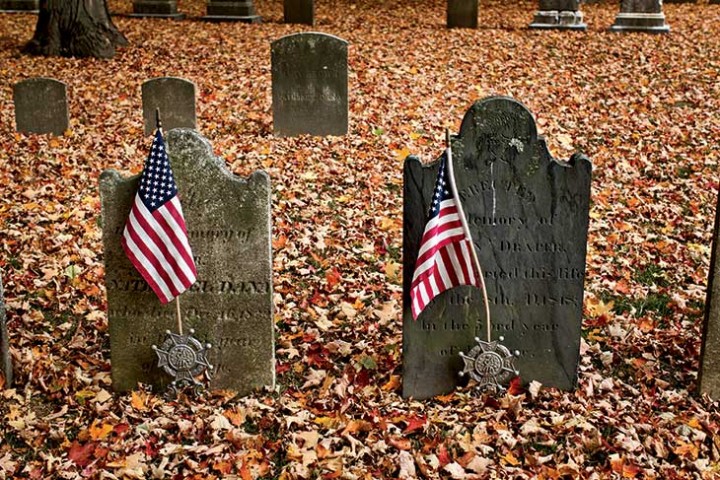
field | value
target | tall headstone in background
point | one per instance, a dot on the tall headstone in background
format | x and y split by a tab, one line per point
559	14
528	215
309	85
462	13
41	106
156	9
5	363
175	97
19	6
230	305
299	11
709	375
640	16
231	11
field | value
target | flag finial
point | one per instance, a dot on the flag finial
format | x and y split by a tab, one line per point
157	118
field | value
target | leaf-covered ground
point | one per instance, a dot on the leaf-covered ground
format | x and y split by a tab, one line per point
643	107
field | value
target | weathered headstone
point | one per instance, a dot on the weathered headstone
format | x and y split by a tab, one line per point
528	215
299	11
5	363
231	11
309	85
709	375
230	305
640	16
19	6
462	13
175	97
156	9
41	106
559	14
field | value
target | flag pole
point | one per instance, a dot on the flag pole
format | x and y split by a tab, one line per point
466	229
158	124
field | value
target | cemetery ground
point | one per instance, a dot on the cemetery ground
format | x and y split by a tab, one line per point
642	107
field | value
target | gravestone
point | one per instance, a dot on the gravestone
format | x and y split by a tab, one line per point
19	6
309	85
640	16
175	97
230	304
231	11
528	215
156	9
5	363
299	11
709	375
559	14
41	106
462	13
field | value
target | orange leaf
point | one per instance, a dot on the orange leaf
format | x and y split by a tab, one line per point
279	242
402	154
511	459
515	387
139	400
392	384
99	432
400	443
332	277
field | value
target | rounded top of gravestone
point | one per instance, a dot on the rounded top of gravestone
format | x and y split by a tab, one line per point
161	80
308	37
41	80
499	117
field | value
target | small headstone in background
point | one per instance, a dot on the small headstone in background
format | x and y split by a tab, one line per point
231	11
41	106
462	13
156	9
19	6
528	215
309	85
709	375
299	11
5	362
230	306
559	14
640	16
175	97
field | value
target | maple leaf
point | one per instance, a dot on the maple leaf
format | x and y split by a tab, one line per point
81	454
98	430
414	423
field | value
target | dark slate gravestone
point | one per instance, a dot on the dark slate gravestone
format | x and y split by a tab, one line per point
309	85
230	305
19	6
175	97
156	9
299	11
559	14
528	215
233	11
5	363
462	13
709	376
41	106
640	16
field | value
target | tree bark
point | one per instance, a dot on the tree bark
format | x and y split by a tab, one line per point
75	28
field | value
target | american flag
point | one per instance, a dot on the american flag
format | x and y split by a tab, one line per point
155	237
445	258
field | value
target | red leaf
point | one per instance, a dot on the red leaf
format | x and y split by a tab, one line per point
81	454
443	455
414	423
515	387
332	277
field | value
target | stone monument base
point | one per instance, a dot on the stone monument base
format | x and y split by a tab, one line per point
564	20
19	6
640	22
224	11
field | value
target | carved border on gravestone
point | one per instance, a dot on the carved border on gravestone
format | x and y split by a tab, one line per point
230	305
159	93
293	113
52	117
502	166
5	361
709	371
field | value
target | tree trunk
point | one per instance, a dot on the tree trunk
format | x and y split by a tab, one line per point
75	28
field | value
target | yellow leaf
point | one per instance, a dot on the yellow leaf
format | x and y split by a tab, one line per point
139	401
598	308
327	422
415	135
392	270
510	458
402	154
99	432
54	143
